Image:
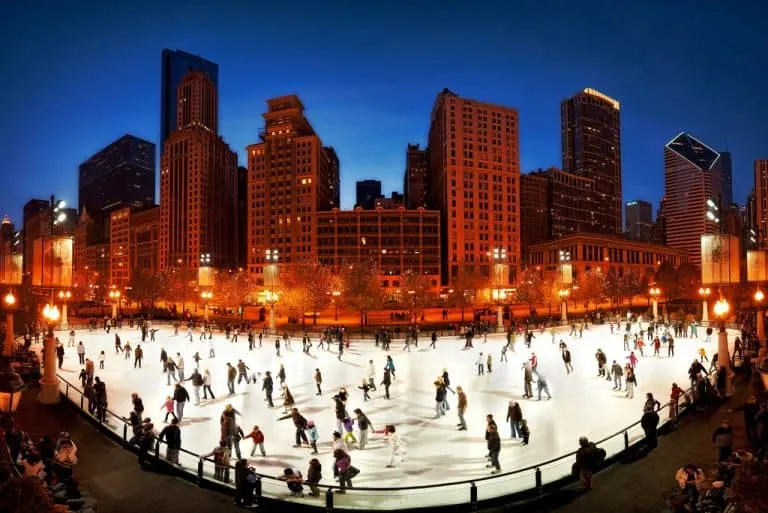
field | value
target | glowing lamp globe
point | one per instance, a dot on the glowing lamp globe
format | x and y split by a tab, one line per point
721	307
759	296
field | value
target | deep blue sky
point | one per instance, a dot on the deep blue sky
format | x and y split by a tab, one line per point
76	77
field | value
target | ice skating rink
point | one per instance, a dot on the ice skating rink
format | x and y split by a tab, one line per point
581	405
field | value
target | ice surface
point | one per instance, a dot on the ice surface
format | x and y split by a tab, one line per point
437	452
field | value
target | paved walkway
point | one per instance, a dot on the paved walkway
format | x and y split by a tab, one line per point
113	477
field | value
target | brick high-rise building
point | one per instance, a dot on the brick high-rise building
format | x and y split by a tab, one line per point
291	177
121	174
366	192
198	183
175	64
133	244
396	241
638	220
534	210
591	146
691	178
761	202
416	177
242	217
474	174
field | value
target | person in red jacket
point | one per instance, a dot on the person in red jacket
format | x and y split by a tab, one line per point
674	400
258	440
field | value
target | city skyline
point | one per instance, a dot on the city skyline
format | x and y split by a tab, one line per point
366	111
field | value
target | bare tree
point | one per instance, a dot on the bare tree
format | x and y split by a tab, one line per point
361	289
305	289
415	292
466	291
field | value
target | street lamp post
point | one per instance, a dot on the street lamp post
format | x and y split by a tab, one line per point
499	258
759	297
564	293
114	296
271	298
704	292
49	384
655	292
723	355
206	296
272	256
10	306
64	297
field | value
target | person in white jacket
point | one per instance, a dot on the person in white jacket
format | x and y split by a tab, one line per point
480	364
371	375
396	444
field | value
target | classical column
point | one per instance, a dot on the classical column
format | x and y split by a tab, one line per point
49	384
499	318
563	311
655	310
704	312
272	318
724	357
64	321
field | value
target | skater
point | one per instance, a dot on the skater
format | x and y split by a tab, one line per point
462	408
489	362
127	350
258	440
527	380
138	355
543	386
503	353
363	425
197	382
102	357
566	354
172	436
168	405
242	371
631	381
364	387
617	373
386	381
207	385
281	375
231	375
349	431
81	352
494	448
267	387
180	396
318	381
371	375
390	365
480	364
395	444
514	417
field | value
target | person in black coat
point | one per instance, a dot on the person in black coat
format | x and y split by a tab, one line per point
180	396
494	448
387	381
172	436
267	387
439	399
649	422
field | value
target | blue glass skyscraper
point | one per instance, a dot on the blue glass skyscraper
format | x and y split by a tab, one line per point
176	64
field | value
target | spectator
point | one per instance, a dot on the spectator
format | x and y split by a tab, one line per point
722	437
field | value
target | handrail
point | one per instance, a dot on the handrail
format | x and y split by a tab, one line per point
472	482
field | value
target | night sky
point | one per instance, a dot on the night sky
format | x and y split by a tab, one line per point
77	77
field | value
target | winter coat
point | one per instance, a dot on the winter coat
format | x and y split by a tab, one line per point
267	385
387	378
340	409
494	441
514	413
462	404
439	394
363	422
298	420
172	435
312	433
180	395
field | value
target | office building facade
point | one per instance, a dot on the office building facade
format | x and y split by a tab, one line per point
638	220
366	192
175	65
474	174
198	183
691	179
761	202
291	177
591	148
416	177
121	174
394	241
534	211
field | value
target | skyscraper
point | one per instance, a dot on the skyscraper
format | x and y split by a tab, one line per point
591	146
474	174
175	65
761	202
291	176
691	178
416	178
198	183
638	220
534	210
366	192
727	173
121	174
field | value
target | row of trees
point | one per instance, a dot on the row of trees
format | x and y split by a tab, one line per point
309	286
596	287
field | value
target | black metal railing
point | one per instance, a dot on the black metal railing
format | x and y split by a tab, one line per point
534	479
